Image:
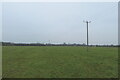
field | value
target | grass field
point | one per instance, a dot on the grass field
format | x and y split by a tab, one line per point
59	62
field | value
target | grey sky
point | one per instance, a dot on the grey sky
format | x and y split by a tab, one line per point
0	21
60	22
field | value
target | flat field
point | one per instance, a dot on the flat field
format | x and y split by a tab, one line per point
59	62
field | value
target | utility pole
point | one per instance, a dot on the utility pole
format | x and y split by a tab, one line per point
87	22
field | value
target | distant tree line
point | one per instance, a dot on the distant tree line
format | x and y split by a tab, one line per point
48	44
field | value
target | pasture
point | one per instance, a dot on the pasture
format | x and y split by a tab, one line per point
59	62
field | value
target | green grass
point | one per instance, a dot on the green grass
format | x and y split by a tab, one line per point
59	62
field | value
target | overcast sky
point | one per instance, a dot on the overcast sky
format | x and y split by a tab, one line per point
60	22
